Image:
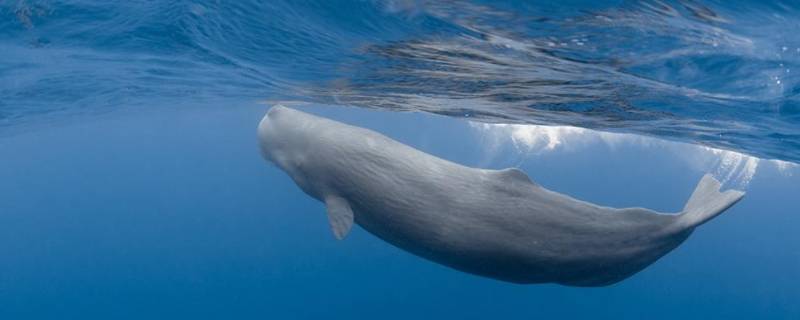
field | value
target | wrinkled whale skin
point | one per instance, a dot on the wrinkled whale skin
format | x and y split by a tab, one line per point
493	223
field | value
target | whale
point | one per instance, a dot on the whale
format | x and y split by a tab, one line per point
498	224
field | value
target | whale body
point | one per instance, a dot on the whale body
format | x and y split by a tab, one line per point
492	223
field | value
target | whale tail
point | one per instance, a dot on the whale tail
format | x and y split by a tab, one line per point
707	202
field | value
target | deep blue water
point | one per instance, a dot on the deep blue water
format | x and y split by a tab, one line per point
131	185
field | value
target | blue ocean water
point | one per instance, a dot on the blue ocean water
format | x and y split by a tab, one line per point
131	185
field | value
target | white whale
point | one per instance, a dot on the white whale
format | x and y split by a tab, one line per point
493	223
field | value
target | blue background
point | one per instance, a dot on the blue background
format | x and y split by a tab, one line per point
131	186
173	214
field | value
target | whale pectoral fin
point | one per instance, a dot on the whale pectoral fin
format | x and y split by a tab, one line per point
340	216
514	174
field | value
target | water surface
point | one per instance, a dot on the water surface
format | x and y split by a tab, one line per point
131	185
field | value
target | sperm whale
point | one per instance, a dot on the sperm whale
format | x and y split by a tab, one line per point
493	223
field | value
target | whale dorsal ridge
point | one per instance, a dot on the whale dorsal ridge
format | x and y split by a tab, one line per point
340	216
516	175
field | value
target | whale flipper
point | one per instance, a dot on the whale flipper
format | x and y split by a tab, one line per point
340	216
707	202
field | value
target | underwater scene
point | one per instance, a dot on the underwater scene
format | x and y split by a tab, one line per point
399	159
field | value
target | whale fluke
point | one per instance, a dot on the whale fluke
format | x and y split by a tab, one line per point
707	202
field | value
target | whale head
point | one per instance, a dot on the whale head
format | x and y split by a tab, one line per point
287	139
311	150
